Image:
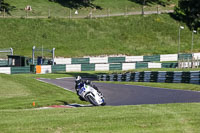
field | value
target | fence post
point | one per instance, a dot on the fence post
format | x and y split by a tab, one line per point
4	12
182	63
142	9
188	63
193	62
157	9
26	13
178	63
33	55
49	13
11	50
126	10
108	12
90	15
53	56
70	14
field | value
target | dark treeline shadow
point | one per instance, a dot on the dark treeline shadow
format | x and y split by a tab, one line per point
184	19
6	7
77	4
188	12
148	2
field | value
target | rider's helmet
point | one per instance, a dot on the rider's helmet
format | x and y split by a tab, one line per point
78	79
87	82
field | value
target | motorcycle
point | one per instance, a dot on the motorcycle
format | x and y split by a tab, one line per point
89	94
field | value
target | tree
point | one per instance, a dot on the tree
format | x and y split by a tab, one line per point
0	4
188	11
148	2
77	4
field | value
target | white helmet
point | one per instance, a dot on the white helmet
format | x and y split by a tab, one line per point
78	78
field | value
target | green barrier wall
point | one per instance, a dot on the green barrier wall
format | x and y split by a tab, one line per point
116	59
141	65
16	70
115	67
185	56
3	62
58	68
169	65
88	67
152	58
80	61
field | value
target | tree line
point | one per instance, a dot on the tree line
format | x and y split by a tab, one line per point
188	11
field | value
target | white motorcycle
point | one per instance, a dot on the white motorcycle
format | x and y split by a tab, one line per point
88	93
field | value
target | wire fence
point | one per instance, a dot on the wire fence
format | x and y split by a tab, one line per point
189	63
85	13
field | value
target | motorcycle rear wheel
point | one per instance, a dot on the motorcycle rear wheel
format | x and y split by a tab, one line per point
103	104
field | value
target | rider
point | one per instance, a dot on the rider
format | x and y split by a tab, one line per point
79	83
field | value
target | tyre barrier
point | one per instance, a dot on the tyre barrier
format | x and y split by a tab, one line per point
192	77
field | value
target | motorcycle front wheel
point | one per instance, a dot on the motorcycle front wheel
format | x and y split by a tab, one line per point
92	100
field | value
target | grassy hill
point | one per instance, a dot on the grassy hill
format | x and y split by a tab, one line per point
132	35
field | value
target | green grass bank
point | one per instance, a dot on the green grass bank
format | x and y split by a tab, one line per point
20	91
132	35
164	118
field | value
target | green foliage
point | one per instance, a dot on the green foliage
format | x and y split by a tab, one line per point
148	2
6	7
188	11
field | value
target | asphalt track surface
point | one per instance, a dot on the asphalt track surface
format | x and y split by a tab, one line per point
117	94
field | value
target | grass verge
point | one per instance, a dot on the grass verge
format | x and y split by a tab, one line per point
163	118
20	91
